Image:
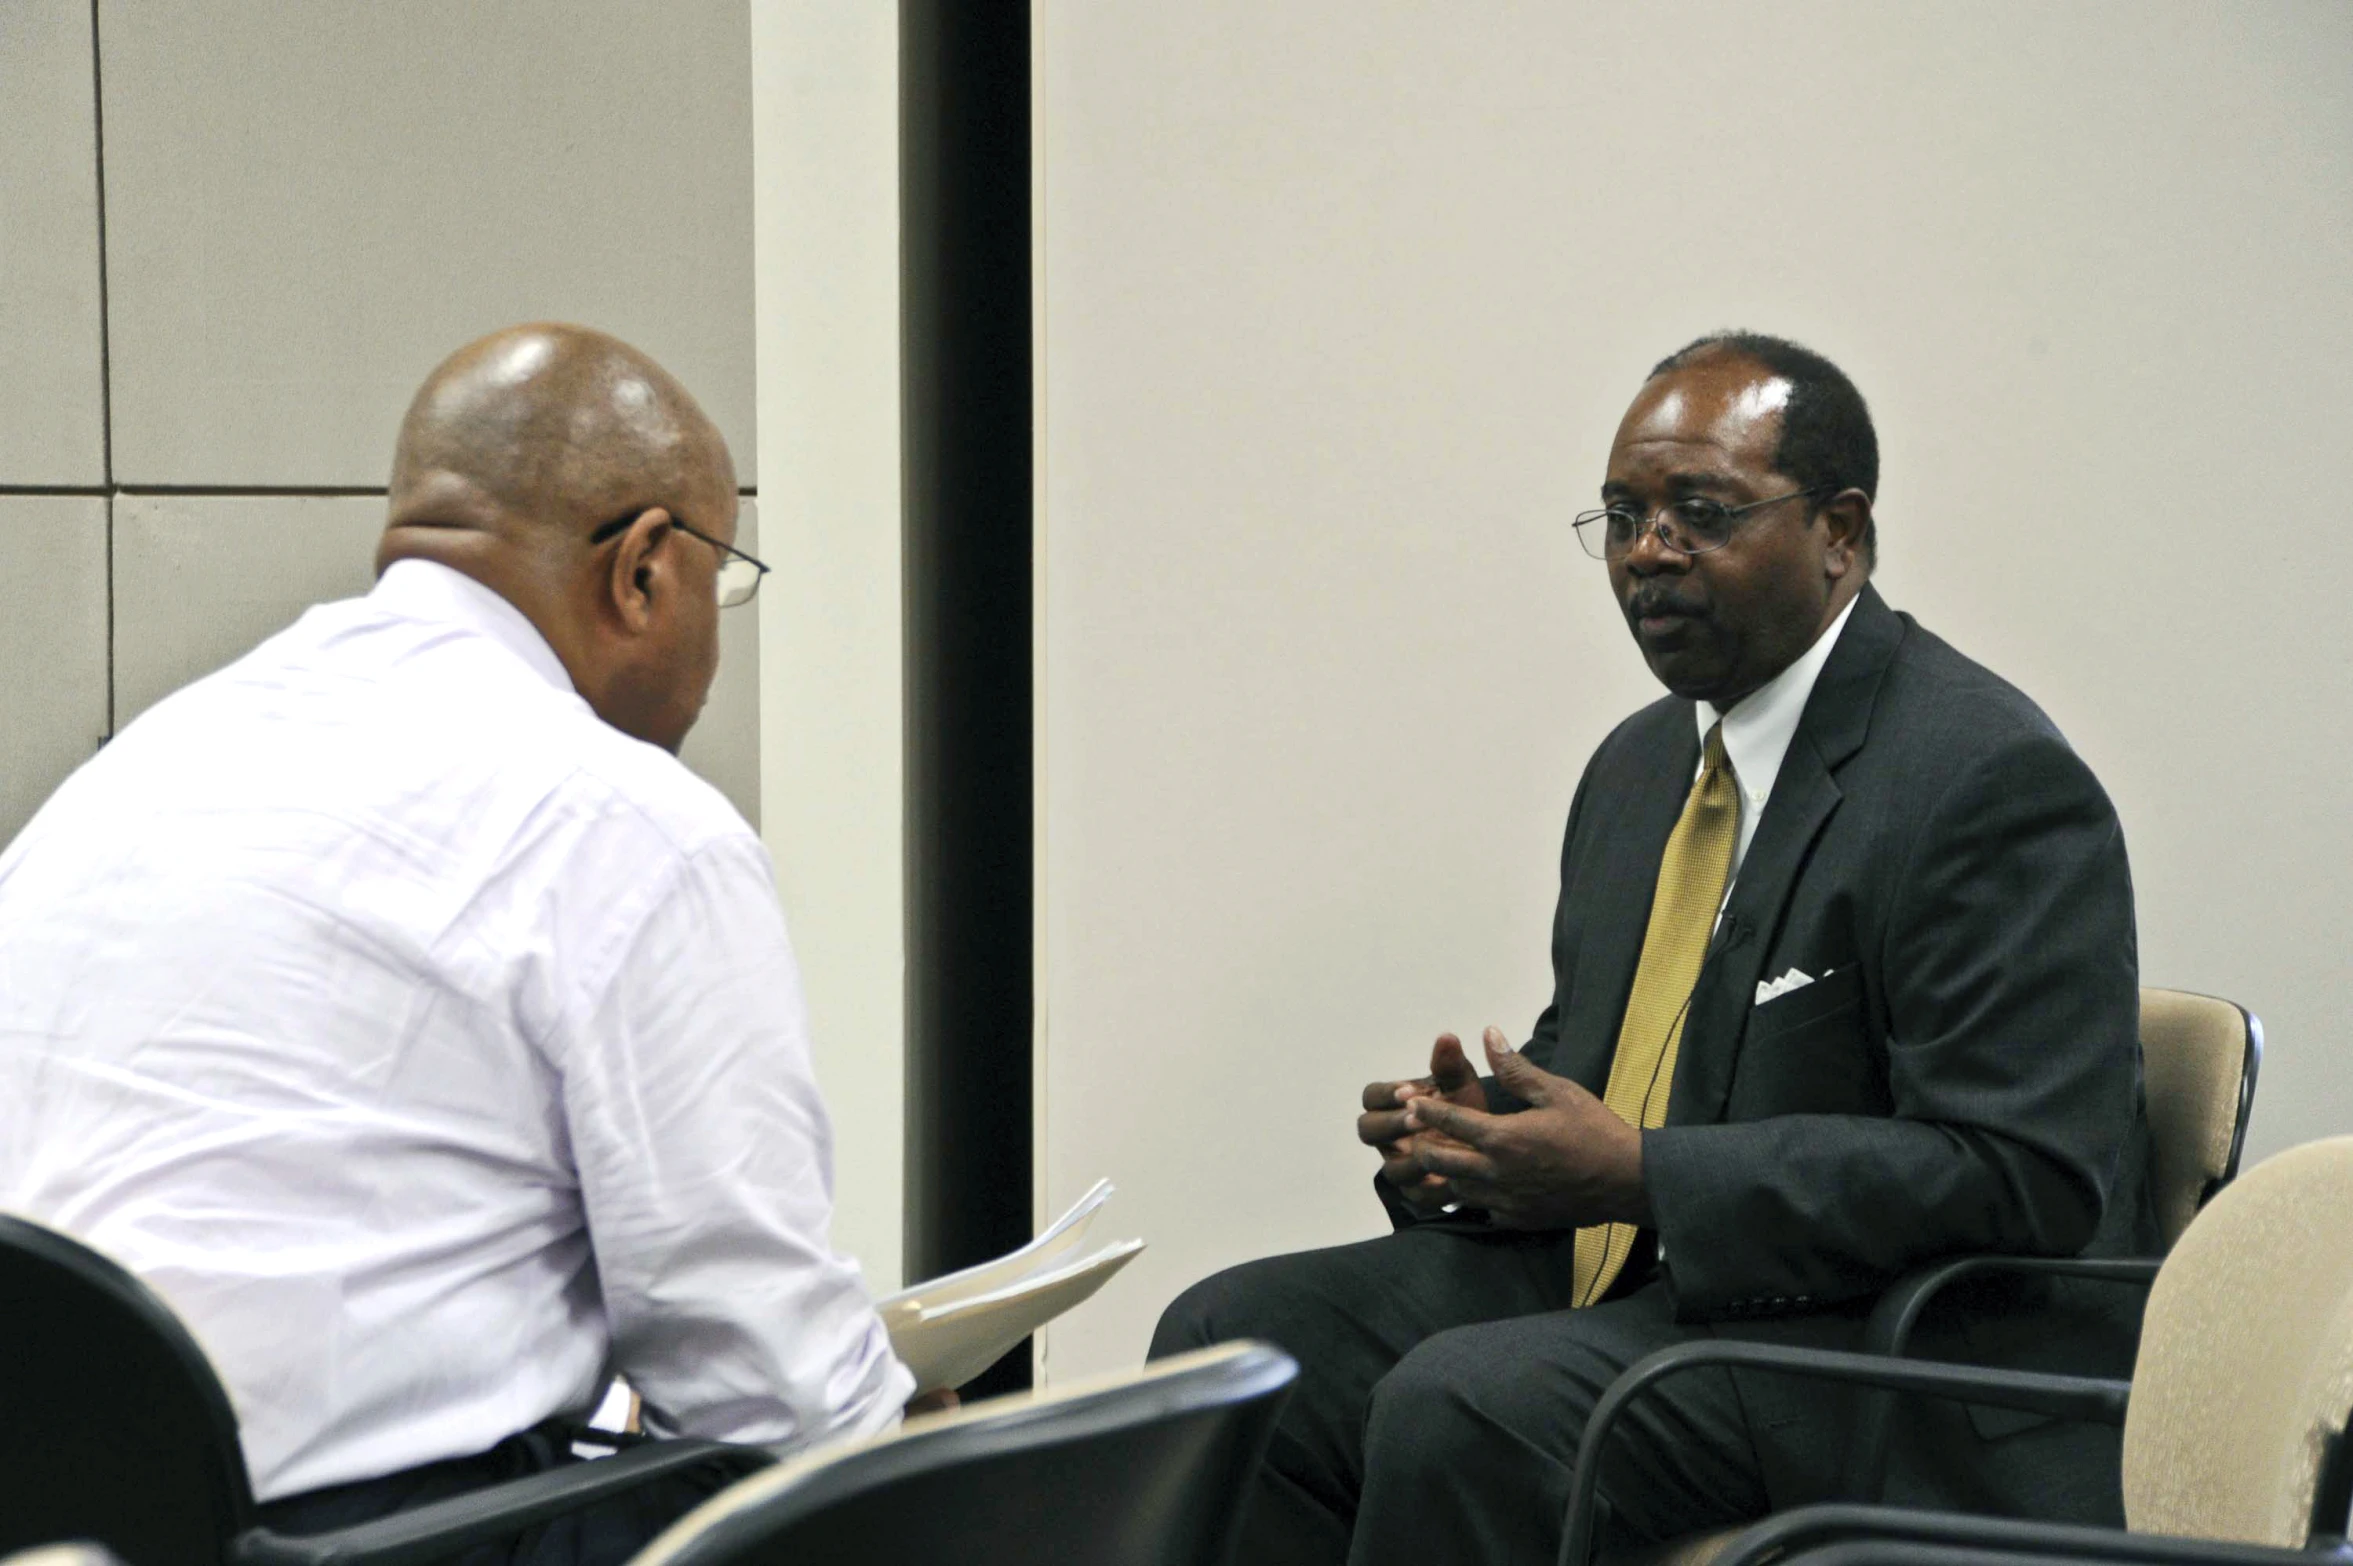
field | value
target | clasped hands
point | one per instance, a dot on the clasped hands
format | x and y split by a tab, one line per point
1564	1162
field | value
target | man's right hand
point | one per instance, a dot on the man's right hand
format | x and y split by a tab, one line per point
1382	1126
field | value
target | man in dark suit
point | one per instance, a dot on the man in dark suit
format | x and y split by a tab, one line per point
1845	980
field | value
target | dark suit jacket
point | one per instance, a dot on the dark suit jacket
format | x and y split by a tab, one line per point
1966	1077
1964	1074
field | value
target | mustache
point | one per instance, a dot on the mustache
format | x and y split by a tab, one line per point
1655	598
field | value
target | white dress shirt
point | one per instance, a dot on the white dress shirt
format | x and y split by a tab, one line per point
1758	729
434	1049
1757	732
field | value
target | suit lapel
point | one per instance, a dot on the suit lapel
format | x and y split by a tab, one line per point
1617	910
1804	799
1805	796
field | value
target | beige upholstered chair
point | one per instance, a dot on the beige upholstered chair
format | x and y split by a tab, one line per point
1145	1468
2199	1059
2234	1421
2199	1056
2245	1373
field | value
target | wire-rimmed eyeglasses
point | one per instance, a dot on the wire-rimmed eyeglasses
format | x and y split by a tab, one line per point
1690	526
739	573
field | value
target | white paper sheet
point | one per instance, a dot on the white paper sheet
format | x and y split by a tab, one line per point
951	1328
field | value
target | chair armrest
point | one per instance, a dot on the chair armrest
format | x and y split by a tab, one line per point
2086	1398
1893	1534
1910	1552
1889	1331
433	1532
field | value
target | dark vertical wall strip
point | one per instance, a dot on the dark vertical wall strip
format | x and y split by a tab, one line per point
965	367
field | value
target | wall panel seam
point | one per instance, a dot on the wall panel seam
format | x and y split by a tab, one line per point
275	491
105	338
105	345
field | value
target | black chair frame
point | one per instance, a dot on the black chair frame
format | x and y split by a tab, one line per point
1261	1373
1871	1528
1845	1532
180	1378
2043	1550
1900	1307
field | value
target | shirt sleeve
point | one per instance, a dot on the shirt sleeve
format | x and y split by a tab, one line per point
705	1162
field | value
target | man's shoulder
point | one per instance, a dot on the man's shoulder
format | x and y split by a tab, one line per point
650	784
1948	704
481	710
440	732
1665	724
1947	733
475	708
1930	703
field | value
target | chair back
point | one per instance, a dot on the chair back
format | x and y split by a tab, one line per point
113	1427
1144	1469
2245	1376
2199	1056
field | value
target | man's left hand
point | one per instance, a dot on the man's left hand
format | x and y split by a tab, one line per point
935	1402
1564	1162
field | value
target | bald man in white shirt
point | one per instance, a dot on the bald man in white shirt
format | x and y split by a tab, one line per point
397	1005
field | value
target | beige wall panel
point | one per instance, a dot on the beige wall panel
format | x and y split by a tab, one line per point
52	414
724	747
53	645
825	133
1341	302
199	581
311	201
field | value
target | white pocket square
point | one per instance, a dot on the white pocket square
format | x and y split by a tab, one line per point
1794	979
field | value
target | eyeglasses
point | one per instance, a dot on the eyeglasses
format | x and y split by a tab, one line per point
1690	526
739	573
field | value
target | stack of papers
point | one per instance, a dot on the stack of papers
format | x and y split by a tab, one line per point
951	1328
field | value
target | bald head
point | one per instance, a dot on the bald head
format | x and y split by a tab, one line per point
550	426
549	463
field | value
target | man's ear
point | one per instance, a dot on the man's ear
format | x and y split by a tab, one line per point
635	571
1847	515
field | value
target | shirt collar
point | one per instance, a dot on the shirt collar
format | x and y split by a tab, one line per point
429	590
1758	729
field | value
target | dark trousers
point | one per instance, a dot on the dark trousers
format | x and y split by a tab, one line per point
1444	1387
605	1534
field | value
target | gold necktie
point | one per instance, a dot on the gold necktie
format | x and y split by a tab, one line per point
1682	922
